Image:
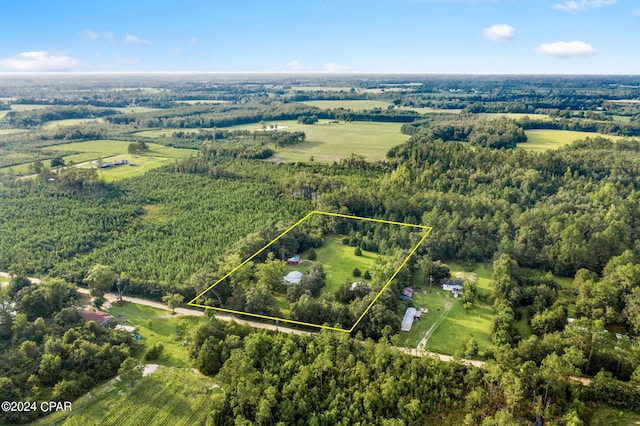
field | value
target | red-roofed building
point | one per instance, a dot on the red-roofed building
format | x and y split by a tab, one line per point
101	318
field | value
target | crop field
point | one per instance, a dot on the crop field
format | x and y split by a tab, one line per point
542	140
338	261
330	142
159	326
355	105
447	324
168	396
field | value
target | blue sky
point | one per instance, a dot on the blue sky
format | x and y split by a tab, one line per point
406	36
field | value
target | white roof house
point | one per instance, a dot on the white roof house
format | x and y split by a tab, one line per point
407	321
292	277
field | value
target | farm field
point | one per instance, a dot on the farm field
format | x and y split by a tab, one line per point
107	150
166	396
542	140
70	122
331	142
447	324
355	105
159	326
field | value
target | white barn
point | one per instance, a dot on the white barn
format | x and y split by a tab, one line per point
407	321
292	277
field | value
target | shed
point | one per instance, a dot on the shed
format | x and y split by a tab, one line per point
407	321
292	277
127	328
293	260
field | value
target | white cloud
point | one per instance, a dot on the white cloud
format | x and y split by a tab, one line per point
296	66
133	40
126	61
573	6
177	52
90	35
500	33
40	61
636	12
333	67
566	48
193	41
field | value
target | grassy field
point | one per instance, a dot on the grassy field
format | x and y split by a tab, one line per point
10	131
28	107
108	150
433	110
49	125
159	326
338	261
355	105
542	140
331	142
621	118
168	396
447	324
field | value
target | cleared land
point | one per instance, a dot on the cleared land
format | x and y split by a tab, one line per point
355	105
338	261
542	140
168	396
433	110
447	324
107	150
159	326
330	142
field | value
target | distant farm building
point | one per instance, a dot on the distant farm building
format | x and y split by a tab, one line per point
101	318
127	328
293	277
111	164
407	294
293	260
407	321
454	287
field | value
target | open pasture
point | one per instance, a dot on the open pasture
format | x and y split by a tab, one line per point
81	153
543	139
330	142
50	125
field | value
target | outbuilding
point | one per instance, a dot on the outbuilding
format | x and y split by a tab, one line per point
407	321
293	277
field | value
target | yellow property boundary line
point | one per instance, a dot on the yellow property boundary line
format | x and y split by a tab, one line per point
397	271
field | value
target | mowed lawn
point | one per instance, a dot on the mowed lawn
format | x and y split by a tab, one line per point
354	105
168	396
331	142
338	261
159	326
543	139
447	324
